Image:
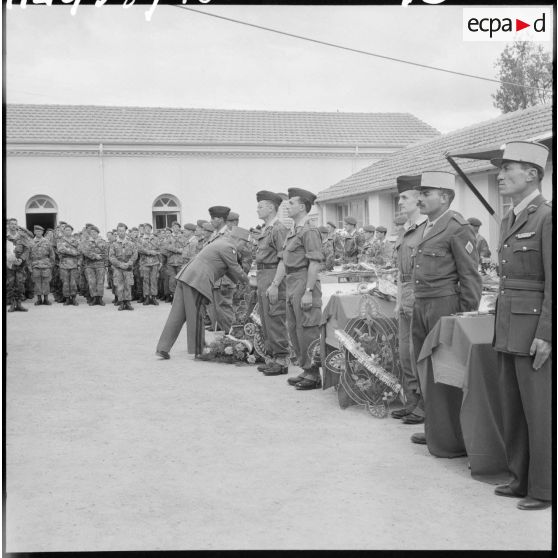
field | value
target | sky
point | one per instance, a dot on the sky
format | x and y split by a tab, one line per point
110	55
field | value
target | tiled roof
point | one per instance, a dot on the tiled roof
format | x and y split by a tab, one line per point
429	154
148	125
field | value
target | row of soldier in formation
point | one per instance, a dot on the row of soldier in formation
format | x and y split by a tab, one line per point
437	255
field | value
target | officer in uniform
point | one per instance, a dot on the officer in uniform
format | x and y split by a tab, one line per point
68	252
367	250
382	253
41	258
482	245
405	246
15	275
327	249
446	281
122	255
233	219
174	246
270	245
301	260
194	289
95	254
149	250
190	240
523	325
351	241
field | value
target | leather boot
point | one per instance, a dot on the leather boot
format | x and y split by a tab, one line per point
147	300
39	301
154	301
141	299
91	300
46	301
115	301
121	306
100	301
74	301
68	301
19	307
128	305
13	307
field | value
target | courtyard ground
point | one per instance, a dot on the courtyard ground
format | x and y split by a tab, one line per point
110	448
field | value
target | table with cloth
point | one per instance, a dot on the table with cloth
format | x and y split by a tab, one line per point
457	369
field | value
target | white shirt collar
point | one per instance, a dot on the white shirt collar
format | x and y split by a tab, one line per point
432	223
525	202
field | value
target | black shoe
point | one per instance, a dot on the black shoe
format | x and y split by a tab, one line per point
128	305
400	413
533	504
163	354
91	301
100	301
309	383
413	419
19	307
39	301
68	301
154	301
147	301
276	369
506	491
418	438
121	306
295	380
263	367
141	299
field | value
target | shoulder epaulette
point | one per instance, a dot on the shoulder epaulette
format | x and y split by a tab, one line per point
548	202
459	218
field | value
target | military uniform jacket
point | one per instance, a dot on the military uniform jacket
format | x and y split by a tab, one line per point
302	245
21	248
91	248
524	306
445	262
270	244
41	255
482	247
123	254
190	249
149	250
328	253
217	259
174	246
68	252
351	248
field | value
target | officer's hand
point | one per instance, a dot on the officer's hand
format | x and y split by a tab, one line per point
540	349
306	301
272	294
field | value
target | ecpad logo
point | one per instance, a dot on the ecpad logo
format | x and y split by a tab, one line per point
507	24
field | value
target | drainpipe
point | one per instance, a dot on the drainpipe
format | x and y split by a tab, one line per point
103	191
355	159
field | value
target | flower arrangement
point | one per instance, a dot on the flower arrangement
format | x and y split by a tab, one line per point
230	350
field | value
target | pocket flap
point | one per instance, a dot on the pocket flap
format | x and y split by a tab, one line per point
526	306
434	252
527	245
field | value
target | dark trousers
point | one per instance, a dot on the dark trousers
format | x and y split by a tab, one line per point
407	361
223	307
526	403
69	281
187	307
442	405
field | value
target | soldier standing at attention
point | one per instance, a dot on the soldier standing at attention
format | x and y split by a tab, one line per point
122	255
523	326
41	258
301	260
94	250
174	246
271	239
148	250
68	252
15	275
446	281
194	289
405	246
111	235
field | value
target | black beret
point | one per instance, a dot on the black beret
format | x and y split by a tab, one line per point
219	211
175	223
332	224
208	227
408	182
381	228
323	229
190	226
94	228
125	226
368	228
201	222
266	195
474	221
68	226
302	194
232	216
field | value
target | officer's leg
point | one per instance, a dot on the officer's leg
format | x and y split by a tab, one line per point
37	281
408	367
65	277
72	281
310	330
225	312
291	317
263	304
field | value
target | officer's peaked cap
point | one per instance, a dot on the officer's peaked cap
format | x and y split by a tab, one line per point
437	179
523	152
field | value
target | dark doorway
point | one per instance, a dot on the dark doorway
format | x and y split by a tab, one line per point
46	220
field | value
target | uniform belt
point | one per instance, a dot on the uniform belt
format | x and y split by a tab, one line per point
522	285
290	270
267	265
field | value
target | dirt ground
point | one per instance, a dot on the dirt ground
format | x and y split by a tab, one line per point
110	448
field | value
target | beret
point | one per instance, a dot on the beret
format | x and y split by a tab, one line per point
302	194
239	232
38	227
94	228
190	226
208	227
88	225
368	228
381	228
219	211
474	221
323	229
62	223
125	226
68	226
147	225
200	222
350	220
266	195
332	224
175	223
233	216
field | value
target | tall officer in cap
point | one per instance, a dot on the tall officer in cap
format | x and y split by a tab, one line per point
149	249
268	254
405	246
68	252
41	258
482	245
95	256
194	290
523	325
15	274
446	281
123	253
301	260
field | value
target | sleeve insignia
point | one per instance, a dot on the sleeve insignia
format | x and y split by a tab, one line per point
469	247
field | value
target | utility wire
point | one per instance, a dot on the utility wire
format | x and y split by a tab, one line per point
357	50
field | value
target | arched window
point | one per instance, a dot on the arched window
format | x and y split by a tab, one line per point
166	209
40	210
